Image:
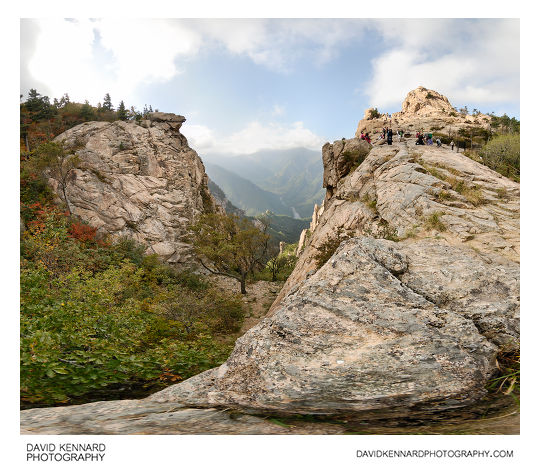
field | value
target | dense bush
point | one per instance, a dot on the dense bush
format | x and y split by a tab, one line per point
502	155
98	316
279	266
100	319
374	113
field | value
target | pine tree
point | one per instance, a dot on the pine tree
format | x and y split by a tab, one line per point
87	112
122	112
107	103
39	106
64	100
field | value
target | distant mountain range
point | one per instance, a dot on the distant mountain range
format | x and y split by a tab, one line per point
244	194
286	182
280	227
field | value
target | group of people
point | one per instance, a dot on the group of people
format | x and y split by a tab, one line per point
387	135
427	139
365	136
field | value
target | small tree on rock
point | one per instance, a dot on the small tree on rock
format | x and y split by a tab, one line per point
55	161
107	102
122	112
230	246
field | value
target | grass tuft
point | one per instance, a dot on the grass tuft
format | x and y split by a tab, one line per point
433	221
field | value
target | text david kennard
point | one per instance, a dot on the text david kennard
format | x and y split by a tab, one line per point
65	452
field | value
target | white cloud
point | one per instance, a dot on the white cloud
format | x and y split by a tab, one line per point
468	61
65	64
254	137
277	44
90	57
278	110
145	51
200	137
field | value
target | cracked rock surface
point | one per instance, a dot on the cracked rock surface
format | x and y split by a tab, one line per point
356	338
142	181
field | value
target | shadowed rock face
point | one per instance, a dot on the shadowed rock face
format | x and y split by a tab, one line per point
339	158
138	180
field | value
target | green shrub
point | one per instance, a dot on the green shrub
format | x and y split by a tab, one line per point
99	317
472	193
444	195
353	160
502	193
502	155
371	203
374	113
433	221
329	247
507	379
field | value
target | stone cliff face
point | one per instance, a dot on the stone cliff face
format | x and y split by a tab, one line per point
422	110
418	293
140	180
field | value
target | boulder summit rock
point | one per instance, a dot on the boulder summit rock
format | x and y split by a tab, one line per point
422	110
140	180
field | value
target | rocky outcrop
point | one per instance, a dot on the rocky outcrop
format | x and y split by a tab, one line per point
405	292
139	180
406	193
339	158
423	110
425	102
406	319
355	338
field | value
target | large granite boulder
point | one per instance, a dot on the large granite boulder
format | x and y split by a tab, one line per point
370	333
138	179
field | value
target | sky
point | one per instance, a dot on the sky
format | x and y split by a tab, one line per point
251	84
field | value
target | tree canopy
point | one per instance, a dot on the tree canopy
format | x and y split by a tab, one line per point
502	155
41	121
229	245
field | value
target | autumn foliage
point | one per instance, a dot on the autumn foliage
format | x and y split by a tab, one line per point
99	318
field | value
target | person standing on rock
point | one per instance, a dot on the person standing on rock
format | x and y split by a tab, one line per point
452	145
438	142
420	139
389	139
